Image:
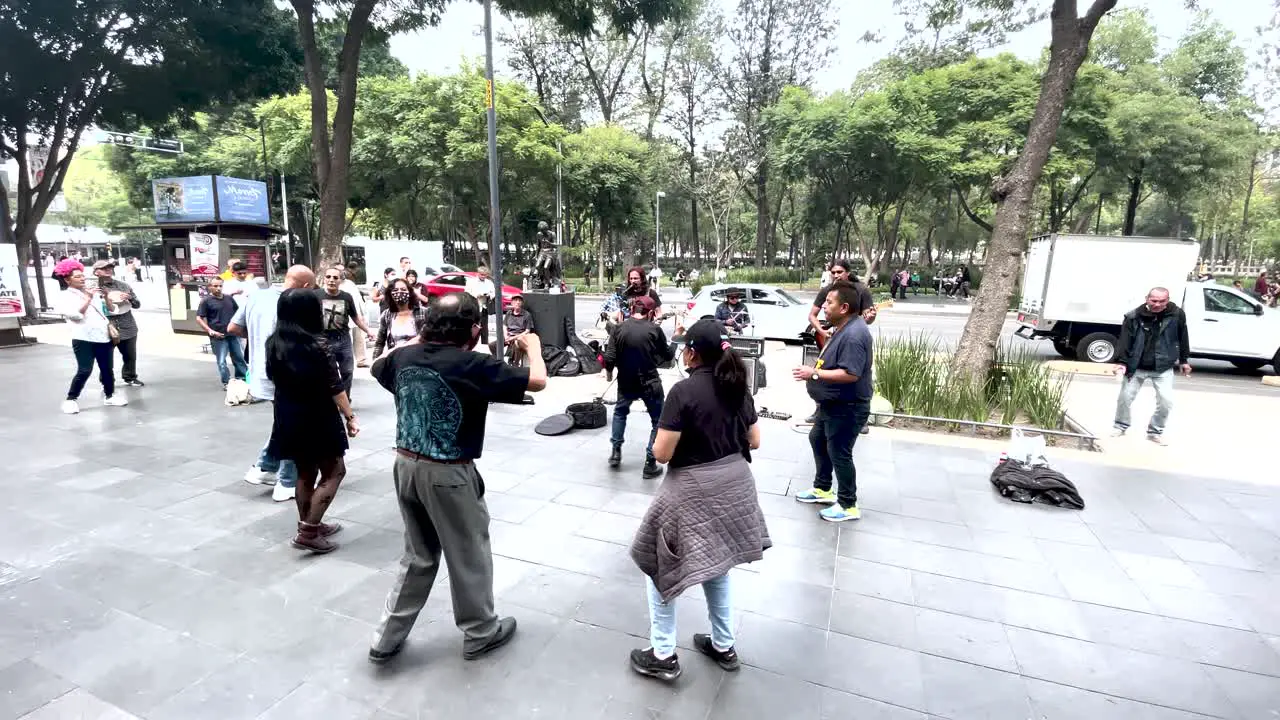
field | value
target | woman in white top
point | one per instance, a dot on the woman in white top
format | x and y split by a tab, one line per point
90	335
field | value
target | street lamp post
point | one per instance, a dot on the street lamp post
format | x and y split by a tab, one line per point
495	217
657	224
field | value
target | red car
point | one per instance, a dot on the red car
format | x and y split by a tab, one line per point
452	282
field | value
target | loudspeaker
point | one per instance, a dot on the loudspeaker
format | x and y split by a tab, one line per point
809	355
549	314
756	377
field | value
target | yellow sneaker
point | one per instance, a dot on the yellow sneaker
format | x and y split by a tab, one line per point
816	496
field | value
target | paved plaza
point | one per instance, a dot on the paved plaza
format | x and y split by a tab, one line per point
140	577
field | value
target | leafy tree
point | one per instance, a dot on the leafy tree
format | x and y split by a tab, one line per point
772	44
1014	192
1207	64
332	135
1126	39
604	171
69	65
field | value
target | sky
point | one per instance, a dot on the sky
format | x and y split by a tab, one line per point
459	35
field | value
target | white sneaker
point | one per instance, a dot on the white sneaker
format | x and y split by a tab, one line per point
117	400
259	477
1157	440
1117	432
282	493
70	407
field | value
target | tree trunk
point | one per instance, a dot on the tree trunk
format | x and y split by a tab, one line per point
1135	197
1014	193
762	211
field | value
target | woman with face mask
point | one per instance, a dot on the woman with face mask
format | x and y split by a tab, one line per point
401	321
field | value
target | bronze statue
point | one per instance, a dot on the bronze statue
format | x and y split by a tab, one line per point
547	268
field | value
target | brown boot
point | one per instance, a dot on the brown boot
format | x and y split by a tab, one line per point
309	538
326	529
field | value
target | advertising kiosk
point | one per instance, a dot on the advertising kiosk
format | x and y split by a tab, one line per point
205	222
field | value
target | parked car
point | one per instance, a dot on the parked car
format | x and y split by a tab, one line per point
775	313
452	282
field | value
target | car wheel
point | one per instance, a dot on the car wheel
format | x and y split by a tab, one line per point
1097	347
1249	364
1064	349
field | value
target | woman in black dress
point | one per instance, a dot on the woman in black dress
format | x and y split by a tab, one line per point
313	417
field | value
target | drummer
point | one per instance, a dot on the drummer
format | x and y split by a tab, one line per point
732	313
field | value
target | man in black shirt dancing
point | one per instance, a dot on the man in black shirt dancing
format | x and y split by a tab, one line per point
636	350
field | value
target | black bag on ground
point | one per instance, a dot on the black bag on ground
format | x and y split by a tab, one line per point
1035	483
588	415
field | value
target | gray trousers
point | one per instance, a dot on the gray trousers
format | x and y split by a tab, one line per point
444	513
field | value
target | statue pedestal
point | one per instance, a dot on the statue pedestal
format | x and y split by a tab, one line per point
550	311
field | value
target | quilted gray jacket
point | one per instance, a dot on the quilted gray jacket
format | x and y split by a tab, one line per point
704	520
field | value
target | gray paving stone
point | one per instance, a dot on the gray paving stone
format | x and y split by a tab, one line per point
25	686
79	704
881	672
961	690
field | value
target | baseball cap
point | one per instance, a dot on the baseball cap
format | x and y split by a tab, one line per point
706	335
99	265
239	267
643	304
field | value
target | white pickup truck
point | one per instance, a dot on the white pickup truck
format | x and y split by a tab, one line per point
1077	288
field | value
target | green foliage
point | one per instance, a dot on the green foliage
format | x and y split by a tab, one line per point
913	374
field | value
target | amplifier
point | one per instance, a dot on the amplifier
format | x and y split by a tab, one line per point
747	347
756	377
809	356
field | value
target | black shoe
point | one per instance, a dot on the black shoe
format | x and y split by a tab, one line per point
651	469
865	429
528	399
135	383
727	660
506	630
615	457
380	657
608	375
645	663
811	419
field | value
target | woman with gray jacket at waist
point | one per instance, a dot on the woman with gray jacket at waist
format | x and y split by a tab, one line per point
706	517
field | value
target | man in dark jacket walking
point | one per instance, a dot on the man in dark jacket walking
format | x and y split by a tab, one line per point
637	348
1153	343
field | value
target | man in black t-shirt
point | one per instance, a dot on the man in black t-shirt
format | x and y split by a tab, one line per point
637	348
339	310
214	314
442	391
840	383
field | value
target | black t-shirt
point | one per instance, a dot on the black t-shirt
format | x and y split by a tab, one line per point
217	312
337	311
708	430
865	300
442	397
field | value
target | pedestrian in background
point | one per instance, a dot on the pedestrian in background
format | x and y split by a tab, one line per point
442	393
481	288
85	310
359	338
379	292
120	303
214	316
1153	343
256	320
840	384
402	321
706	517
312	417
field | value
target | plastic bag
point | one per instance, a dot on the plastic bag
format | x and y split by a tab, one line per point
1026	448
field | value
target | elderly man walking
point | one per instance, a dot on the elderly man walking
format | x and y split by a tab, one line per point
1153	343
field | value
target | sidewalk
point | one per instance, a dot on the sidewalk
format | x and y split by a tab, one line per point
141	578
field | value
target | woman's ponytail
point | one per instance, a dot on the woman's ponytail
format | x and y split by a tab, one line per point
730	375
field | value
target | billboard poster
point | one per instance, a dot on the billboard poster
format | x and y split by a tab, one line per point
179	200
242	201
10	282
204	255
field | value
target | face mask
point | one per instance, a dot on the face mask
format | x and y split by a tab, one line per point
400	296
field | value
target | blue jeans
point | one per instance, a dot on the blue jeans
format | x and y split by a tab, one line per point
286	472
224	346
1162	382
835	429
662	617
652	397
343	353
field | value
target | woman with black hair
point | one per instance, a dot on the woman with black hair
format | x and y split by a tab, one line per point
706	517
310	409
411	277
402	321
91	340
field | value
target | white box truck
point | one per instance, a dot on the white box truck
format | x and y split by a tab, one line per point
1076	290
